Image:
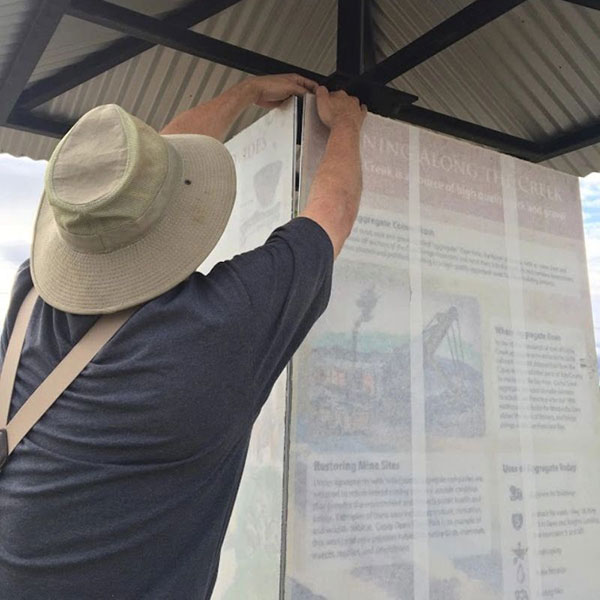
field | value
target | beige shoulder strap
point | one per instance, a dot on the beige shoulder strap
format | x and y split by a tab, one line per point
58	380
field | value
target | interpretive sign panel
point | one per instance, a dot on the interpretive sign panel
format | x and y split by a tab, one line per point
265	160
444	427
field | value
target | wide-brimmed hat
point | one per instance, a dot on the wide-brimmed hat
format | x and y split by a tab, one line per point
127	213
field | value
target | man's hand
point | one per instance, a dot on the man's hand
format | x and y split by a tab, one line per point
338	107
216	116
272	90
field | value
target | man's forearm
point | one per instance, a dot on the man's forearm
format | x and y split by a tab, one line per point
215	117
340	167
335	192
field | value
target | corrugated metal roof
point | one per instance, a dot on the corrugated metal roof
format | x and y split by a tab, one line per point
13	22
161	82
534	72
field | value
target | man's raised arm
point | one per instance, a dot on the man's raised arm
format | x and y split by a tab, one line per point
335	191
215	117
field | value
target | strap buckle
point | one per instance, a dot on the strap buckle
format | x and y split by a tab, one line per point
3	447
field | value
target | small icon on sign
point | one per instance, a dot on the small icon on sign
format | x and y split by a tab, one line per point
517	521
520	574
515	493
521	595
519	552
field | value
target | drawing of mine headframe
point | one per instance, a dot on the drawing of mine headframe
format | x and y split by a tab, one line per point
361	386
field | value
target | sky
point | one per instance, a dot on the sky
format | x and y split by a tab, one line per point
590	203
21	183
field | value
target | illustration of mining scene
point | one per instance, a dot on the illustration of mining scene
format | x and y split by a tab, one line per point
359	380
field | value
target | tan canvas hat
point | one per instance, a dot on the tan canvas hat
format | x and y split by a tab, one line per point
127	213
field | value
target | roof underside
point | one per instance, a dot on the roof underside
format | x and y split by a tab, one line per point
533	73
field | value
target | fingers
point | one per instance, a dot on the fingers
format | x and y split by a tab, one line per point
299	90
321	90
305	82
271	104
309	84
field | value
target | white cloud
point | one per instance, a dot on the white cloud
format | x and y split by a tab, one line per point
590	198
590	187
588	215
590	203
20	192
22	184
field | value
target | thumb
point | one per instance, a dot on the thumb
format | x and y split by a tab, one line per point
321	90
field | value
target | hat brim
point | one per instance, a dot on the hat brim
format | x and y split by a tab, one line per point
192	224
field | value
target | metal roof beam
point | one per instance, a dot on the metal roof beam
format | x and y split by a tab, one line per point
571	141
355	51
594	4
448	32
504	142
369	46
42	25
379	98
25	121
350	37
525	149
118	52
158	32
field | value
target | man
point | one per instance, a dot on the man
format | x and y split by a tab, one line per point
124	488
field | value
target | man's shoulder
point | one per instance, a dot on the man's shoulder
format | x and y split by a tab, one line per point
307	231
22	282
298	246
23	274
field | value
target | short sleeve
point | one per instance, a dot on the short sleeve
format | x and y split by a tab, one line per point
286	287
21	286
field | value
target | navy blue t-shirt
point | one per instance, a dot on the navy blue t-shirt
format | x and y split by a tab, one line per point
124	488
